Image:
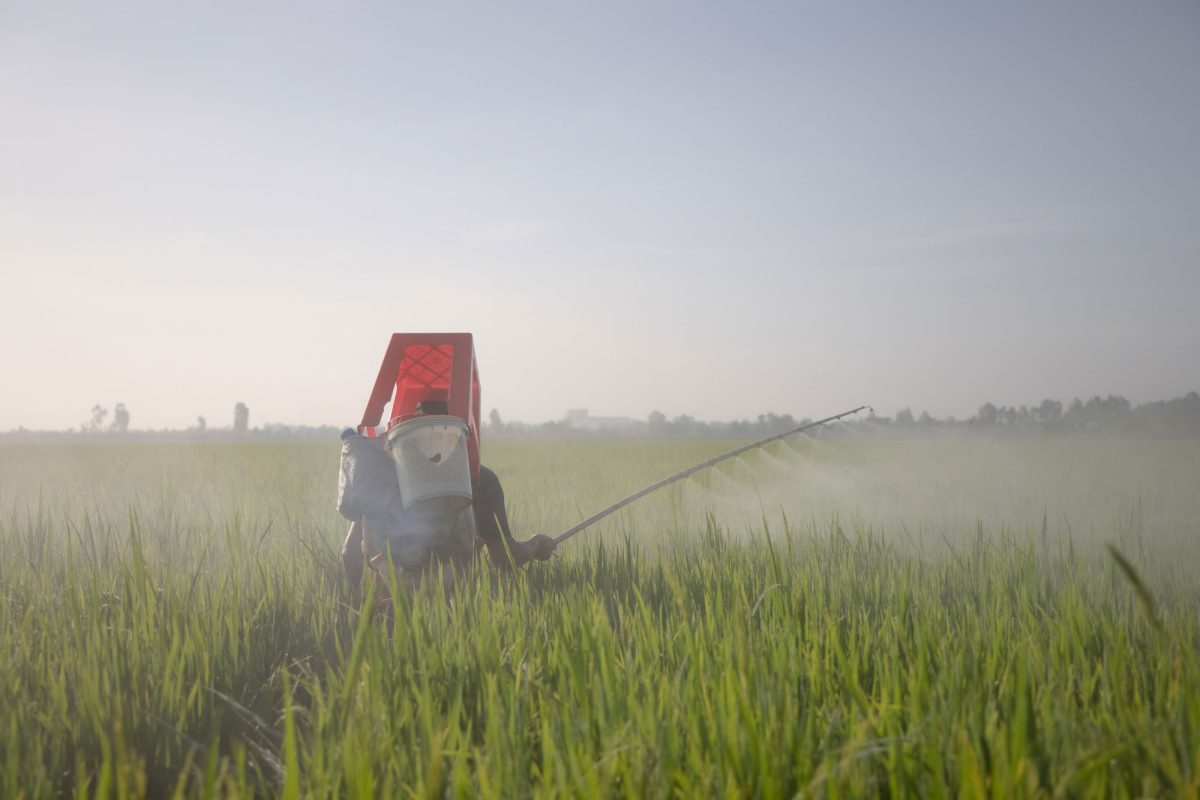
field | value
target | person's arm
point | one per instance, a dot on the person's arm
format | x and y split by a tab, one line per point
491	523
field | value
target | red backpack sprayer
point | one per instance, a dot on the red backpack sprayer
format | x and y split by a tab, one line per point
424	496
414	489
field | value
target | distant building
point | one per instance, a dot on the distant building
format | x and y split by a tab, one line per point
581	420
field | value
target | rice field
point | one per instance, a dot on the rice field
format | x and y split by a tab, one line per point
838	617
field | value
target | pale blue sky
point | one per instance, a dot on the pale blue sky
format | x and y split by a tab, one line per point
707	209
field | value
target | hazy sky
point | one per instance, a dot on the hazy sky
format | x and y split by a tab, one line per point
712	209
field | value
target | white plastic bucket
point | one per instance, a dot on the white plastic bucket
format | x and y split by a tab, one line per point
430	454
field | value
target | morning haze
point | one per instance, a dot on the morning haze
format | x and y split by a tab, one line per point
702	209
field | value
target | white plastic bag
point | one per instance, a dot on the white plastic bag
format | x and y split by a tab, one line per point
367	479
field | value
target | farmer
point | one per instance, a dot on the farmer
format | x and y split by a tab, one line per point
414	540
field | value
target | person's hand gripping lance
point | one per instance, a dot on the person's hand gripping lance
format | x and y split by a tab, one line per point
539	547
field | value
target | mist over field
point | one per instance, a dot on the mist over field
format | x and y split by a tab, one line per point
916	493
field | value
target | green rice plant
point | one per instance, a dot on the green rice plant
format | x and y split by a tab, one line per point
834	618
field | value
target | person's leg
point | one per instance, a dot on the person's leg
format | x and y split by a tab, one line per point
352	553
353	560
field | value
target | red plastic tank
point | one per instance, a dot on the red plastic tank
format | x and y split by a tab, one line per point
427	366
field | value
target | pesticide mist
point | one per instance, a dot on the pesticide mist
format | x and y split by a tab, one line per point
919	492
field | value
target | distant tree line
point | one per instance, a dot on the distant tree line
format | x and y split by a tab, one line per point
99	426
1180	415
684	425
1177	417
657	424
120	420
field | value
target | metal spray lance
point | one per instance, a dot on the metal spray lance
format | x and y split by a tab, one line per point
678	476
